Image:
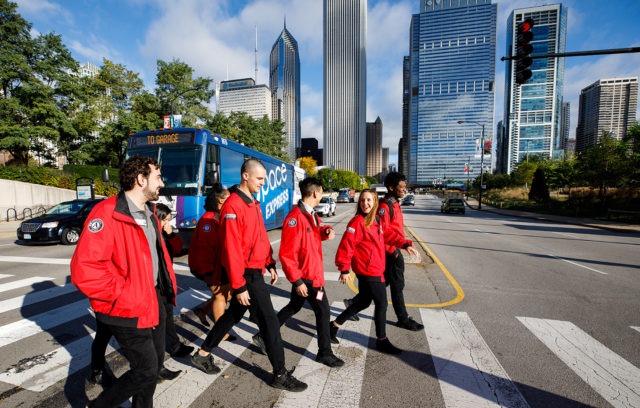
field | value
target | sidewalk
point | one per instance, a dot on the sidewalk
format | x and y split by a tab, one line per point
8	229
587	222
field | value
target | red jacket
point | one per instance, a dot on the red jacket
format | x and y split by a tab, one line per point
362	248
396	224
301	247
112	266
245	243
173	243
204	249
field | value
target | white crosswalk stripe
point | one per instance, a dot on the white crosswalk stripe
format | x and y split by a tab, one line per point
467	371
613	377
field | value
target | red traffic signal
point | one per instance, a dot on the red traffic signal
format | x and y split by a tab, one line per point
524	49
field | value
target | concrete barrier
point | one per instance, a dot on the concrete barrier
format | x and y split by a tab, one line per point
20	200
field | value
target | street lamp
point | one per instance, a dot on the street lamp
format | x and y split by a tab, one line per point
481	158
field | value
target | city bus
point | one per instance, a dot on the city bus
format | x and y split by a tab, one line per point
193	159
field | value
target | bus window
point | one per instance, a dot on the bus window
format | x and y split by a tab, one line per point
180	166
212	166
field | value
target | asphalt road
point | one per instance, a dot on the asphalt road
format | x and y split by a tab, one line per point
517	312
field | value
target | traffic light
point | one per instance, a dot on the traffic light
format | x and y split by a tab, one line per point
524	49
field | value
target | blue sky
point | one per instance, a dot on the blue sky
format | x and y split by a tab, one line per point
217	39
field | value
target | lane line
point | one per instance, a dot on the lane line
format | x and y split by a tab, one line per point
22	283
636	328
468	372
28	259
610	375
36	297
577	264
2	276
327	387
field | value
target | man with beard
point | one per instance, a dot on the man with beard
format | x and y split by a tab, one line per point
122	265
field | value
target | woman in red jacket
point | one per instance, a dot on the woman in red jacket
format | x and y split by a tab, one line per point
204	257
362	249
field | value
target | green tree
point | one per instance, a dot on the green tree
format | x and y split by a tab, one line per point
539	190
35	78
632	138
605	164
523	175
180	93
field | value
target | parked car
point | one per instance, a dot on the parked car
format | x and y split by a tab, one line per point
327	207
343	197
61	223
409	199
450	205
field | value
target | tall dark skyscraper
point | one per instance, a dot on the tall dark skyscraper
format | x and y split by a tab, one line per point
345	83
284	81
452	63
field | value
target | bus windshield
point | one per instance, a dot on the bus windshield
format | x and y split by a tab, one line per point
180	165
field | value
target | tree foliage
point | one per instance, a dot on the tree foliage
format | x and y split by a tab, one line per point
308	164
539	190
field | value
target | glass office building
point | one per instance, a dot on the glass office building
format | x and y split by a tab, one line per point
533	111
284	81
452	65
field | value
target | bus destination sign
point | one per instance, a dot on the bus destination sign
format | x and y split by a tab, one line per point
160	139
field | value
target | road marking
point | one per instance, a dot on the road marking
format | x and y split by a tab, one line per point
565	234
611	376
2	276
30	259
35	297
31	325
635	328
328	387
192	382
469	373
577	264
22	283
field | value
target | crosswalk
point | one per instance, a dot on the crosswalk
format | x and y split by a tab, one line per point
467	371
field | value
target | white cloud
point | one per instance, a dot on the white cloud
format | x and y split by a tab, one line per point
43	9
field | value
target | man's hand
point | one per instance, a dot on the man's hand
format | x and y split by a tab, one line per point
302	290
243	298
167	228
345	277
274	275
332	234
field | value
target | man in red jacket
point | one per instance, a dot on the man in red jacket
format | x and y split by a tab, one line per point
246	251
301	258
122	265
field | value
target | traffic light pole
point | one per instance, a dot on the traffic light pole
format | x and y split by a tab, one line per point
577	53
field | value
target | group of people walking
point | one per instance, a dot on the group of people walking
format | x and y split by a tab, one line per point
124	265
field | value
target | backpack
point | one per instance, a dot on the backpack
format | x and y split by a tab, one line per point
390	205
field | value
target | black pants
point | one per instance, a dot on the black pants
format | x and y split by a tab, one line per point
370	289
394	275
172	342
144	349
268	323
320	309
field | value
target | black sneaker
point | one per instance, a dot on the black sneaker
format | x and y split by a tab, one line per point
258	341
288	382
330	360
385	346
205	364
347	303
409	324
96	376
333	331
166	374
182	351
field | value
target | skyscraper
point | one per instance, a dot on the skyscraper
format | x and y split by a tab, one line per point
565	123
403	144
284	81
533	111
452	57
345	81
607	105
374	148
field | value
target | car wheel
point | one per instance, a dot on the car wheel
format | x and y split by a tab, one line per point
70	236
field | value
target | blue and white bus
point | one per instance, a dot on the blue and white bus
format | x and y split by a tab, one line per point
193	159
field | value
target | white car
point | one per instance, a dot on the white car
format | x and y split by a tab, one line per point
326	208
